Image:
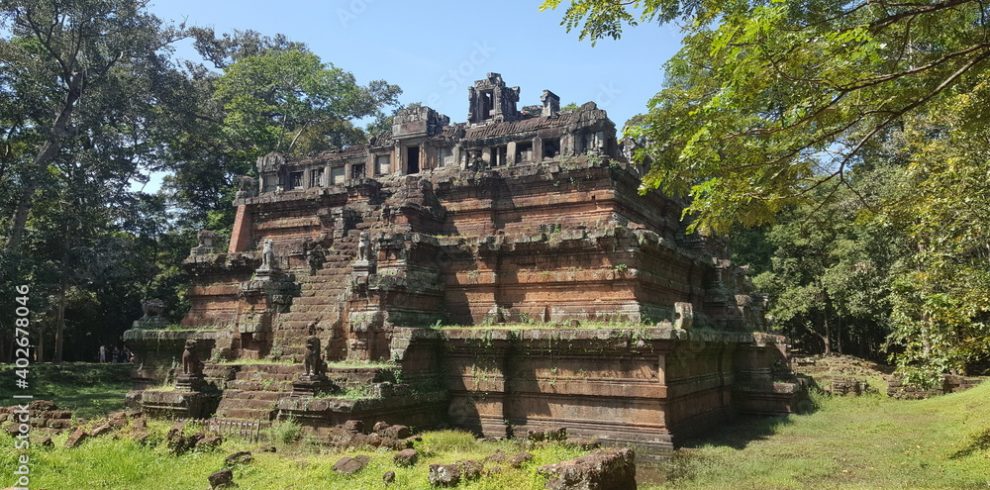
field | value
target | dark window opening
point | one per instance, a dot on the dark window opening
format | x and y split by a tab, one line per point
412	160
357	171
295	180
524	151
551	148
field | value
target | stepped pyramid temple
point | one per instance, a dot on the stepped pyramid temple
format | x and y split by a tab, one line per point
503	275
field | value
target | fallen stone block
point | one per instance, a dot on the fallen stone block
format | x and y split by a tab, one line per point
444	475
351	465
240	457
604	469
100	430
209	442
221	479
397	432
406	457
450	475
42	406
76	438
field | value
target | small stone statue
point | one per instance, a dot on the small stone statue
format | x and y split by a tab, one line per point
246	186
205	243
190	361
267	256
313	361
364	247
205	238
153	310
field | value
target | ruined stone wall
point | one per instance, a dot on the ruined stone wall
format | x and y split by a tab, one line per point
644	388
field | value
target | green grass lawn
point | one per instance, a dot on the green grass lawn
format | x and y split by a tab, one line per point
88	389
849	442
108	463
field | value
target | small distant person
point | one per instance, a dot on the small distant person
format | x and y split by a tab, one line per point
116	354
103	353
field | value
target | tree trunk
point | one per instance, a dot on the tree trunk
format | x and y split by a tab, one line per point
39	347
60	323
825	338
60	129
838	335
60	312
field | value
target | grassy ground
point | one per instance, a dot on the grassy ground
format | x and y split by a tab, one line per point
117	462
88	389
108	463
849	442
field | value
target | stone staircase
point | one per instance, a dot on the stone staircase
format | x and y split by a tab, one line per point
255	389
321	299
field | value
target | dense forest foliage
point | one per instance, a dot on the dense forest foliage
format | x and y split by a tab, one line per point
92	101
855	137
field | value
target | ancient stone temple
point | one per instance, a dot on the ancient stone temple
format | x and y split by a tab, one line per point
503	275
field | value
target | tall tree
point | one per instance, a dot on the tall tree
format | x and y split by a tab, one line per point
67	54
773	108
272	99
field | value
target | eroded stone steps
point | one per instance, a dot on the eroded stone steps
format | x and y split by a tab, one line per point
255	389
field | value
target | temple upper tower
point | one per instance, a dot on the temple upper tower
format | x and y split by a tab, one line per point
490	100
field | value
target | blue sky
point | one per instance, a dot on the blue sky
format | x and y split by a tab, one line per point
435	49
